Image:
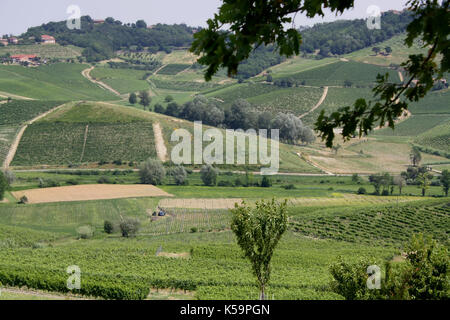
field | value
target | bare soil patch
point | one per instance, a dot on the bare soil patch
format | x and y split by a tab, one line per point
199	203
90	192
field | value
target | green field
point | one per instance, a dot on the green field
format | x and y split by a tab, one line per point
61	81
122	80
335	74
415	125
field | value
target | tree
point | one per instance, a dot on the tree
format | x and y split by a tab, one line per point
258	230
179	174
141	24
388	50
159	108
250	25
133	98
152	172
209	175
445	181
423	276
3	185
415	156
145	98
129	227
269	78
400	182
168	98
424	181
376	50
108	227
173	109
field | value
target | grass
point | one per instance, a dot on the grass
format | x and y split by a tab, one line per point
61	81
122	80
415	125
335	74
400	52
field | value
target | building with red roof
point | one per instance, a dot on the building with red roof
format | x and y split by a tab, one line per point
46	39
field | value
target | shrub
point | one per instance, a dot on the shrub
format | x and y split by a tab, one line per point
238	182
129	227
108	227
194	230
362	190
266	183
85	232
385	193
103	180
152	172
225	183
289	187
209	175
72	182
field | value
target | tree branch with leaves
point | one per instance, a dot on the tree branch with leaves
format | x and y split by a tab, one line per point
252	23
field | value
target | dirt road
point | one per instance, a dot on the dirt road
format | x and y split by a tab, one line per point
322	99
161	149
87	74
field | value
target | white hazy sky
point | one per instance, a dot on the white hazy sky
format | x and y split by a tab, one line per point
17	16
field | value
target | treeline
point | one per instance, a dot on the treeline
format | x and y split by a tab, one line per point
241	115
261	59
346	36
102	40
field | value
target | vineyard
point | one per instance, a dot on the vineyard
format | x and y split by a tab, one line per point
7	135
64	143
184	85
295	100
173	69
300	266
48	51
17	112
437	138
415	125
388	225
335	74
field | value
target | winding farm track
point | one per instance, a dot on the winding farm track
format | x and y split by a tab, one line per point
161	149
13	149
159	69
87	74
322	99
14	96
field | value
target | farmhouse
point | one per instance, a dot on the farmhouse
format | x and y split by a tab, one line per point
99	21
28	59
46	39
4	42
13	40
